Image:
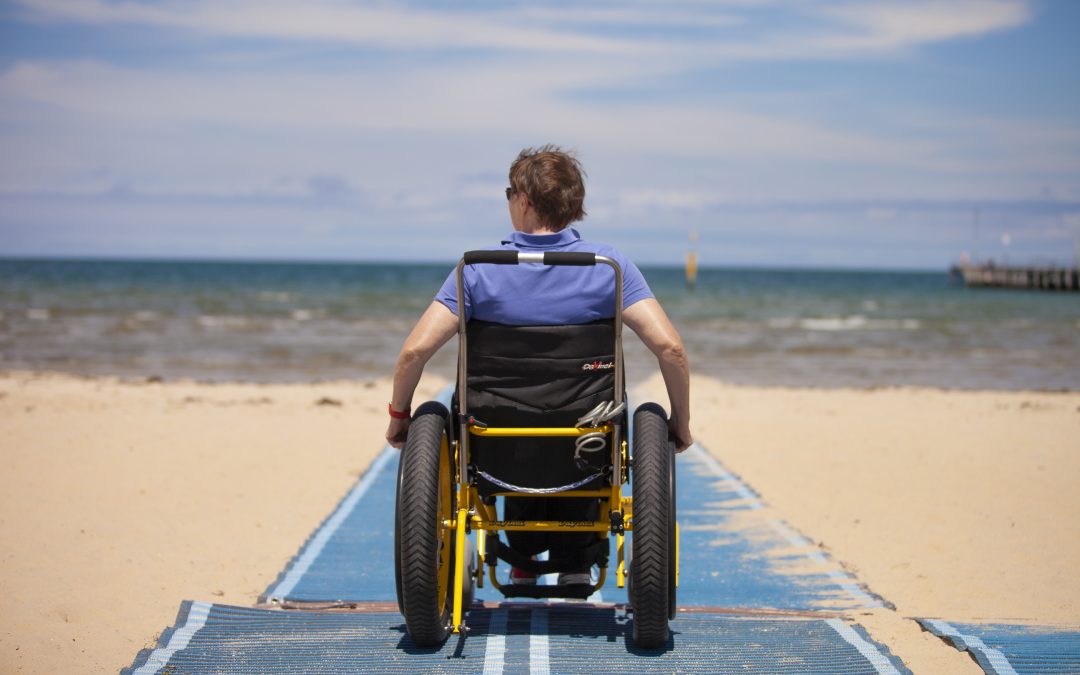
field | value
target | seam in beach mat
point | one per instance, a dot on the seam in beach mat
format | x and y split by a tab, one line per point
869	650
991	659
197	614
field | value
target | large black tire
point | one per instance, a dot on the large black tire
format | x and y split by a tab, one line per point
424	548
650	569
397	539
673	559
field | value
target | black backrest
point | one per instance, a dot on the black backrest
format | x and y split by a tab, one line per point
536	376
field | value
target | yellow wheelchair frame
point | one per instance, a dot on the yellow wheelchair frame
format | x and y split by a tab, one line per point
458	517
473	514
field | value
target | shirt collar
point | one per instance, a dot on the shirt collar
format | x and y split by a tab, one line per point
565	236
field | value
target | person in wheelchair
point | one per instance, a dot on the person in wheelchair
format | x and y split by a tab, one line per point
546	194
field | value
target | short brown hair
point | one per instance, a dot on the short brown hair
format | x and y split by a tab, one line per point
554	182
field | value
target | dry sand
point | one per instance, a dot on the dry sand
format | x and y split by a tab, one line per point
949	504
119	500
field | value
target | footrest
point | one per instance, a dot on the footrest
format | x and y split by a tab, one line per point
577	591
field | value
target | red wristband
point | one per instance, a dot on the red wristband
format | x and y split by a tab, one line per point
398	415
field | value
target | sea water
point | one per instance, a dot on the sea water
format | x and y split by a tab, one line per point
284	322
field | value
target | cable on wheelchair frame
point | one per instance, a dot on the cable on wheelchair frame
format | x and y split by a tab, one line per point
603	412
596	441
537	491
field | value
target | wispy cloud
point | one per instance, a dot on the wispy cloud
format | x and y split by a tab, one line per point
892	24
515	98
380	25
345	118
849	29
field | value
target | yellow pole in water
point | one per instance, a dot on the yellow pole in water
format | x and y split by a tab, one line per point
691	261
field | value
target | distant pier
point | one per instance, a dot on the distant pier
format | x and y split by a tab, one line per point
1034	278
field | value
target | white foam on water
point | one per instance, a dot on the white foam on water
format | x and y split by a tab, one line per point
221	321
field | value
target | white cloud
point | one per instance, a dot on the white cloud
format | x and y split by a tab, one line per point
893	24
412	132
519	99
380	25
89	127
680	200
838	30
880	213
648	15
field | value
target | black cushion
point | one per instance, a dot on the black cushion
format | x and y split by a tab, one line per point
536	376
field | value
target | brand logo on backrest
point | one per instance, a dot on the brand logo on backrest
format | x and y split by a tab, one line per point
598	365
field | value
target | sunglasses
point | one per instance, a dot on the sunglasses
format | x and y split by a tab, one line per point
510	192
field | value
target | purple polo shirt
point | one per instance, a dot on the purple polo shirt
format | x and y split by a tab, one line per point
533	294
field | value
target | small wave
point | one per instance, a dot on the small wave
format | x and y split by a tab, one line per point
221	321
144	315
275	296
858	322
36	314
302	315
836	323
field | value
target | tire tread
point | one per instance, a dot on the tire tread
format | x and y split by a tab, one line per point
418	511
651	493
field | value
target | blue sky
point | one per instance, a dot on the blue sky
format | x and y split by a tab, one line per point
827	134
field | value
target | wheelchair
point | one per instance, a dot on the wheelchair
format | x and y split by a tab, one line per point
538	414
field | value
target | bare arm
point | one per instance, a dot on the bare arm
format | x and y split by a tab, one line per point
648	319
437	325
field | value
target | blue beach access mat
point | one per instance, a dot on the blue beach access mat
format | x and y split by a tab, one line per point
1007	649
754	597
560	638
731	554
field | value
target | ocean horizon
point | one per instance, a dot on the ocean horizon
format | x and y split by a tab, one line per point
262	260
296	321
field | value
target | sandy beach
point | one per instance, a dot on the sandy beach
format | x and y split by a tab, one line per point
120	499
959	505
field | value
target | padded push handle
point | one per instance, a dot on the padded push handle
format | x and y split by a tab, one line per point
569	258
505	257
491	257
